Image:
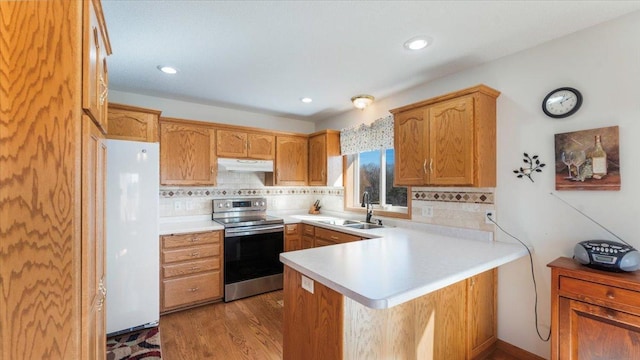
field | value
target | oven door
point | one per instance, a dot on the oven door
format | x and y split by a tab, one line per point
251	260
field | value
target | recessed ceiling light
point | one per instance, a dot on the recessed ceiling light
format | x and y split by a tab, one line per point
417	43
167	69
306	100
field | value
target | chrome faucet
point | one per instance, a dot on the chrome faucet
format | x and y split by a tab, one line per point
366	203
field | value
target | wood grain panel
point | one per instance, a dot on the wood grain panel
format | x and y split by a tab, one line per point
190	267
291	160
451	142
187	154
318	160
40	177
133	123
313	322
410	132
178	292
292	237
231	143
190	253
336	237
261	146
179	240
482	310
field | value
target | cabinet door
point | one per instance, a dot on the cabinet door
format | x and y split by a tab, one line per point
451	142
94	67
291	160
481	312
292	237
93	240
318	160
261	146
187	155
410	148
129	124
231	144
594	332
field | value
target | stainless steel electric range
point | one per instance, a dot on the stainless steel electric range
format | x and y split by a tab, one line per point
253	242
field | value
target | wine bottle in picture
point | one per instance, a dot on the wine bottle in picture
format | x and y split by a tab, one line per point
599	160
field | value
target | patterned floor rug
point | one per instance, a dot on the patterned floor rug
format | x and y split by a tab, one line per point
143	344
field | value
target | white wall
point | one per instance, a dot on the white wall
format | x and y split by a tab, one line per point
603	62
200	112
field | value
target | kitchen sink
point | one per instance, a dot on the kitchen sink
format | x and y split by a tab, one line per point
341	222
364	226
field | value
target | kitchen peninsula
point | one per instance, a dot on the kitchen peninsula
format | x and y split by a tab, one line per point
407	294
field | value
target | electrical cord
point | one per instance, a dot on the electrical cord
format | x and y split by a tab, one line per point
533	277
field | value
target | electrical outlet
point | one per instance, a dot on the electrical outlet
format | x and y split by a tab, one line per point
177	205
489	214
307	284
427	211
189	204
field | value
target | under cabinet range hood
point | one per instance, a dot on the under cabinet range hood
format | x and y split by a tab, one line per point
245	165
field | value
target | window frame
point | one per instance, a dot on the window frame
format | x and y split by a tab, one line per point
351	178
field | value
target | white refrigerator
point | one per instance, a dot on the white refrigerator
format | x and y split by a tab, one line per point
132	249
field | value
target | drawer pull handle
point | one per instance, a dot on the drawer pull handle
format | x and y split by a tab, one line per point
424	166
195	239
194	289
611	295
195	254
195	268
334	237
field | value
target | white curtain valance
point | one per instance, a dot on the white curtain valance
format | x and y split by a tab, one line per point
359	138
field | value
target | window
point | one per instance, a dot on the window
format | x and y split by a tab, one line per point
372	171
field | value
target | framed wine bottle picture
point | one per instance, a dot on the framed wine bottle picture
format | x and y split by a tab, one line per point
588	159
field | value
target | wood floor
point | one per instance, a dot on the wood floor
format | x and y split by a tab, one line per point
249	328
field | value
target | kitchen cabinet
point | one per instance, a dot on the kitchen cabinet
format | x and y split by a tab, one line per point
95	77
132	123
594	314
308	236
191	270
238	144
325	162
292	237
445	324
94	157
449	140
291	160
325	237
187	153
52	207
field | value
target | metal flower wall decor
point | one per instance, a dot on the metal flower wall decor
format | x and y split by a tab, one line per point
533	165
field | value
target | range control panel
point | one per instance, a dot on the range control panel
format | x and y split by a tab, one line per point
239	205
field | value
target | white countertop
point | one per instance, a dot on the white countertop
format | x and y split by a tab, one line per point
187	224
400	266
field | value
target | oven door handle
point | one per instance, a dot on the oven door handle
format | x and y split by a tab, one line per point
244	231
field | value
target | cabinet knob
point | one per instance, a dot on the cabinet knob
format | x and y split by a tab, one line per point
195	268
195	239
194	254
611	295
334	237
194	289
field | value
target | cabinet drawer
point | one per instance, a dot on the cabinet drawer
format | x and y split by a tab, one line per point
308	229
334	236
191	267
600	293
191	289
323	242
172	241
291	229
190	253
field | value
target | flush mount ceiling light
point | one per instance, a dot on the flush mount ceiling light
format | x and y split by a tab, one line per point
362	101
417	43
168	69
306	100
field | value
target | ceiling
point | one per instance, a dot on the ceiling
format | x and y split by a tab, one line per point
263	56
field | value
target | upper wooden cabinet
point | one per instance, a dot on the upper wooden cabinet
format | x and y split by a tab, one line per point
132	123
238	144
96	48
325	163
291	160
449	140
187	155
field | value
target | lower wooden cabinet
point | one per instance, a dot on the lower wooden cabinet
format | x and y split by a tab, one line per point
308	236
331	237
594	314
191	270
446	324
292	237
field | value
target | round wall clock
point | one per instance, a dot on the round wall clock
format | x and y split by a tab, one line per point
562	102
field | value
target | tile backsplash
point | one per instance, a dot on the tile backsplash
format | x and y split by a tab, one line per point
457	207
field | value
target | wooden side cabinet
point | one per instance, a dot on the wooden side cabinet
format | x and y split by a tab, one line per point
292	237
238	144
449	140
594	314
133	123
191	270
291	160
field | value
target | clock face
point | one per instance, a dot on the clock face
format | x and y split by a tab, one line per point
562	102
